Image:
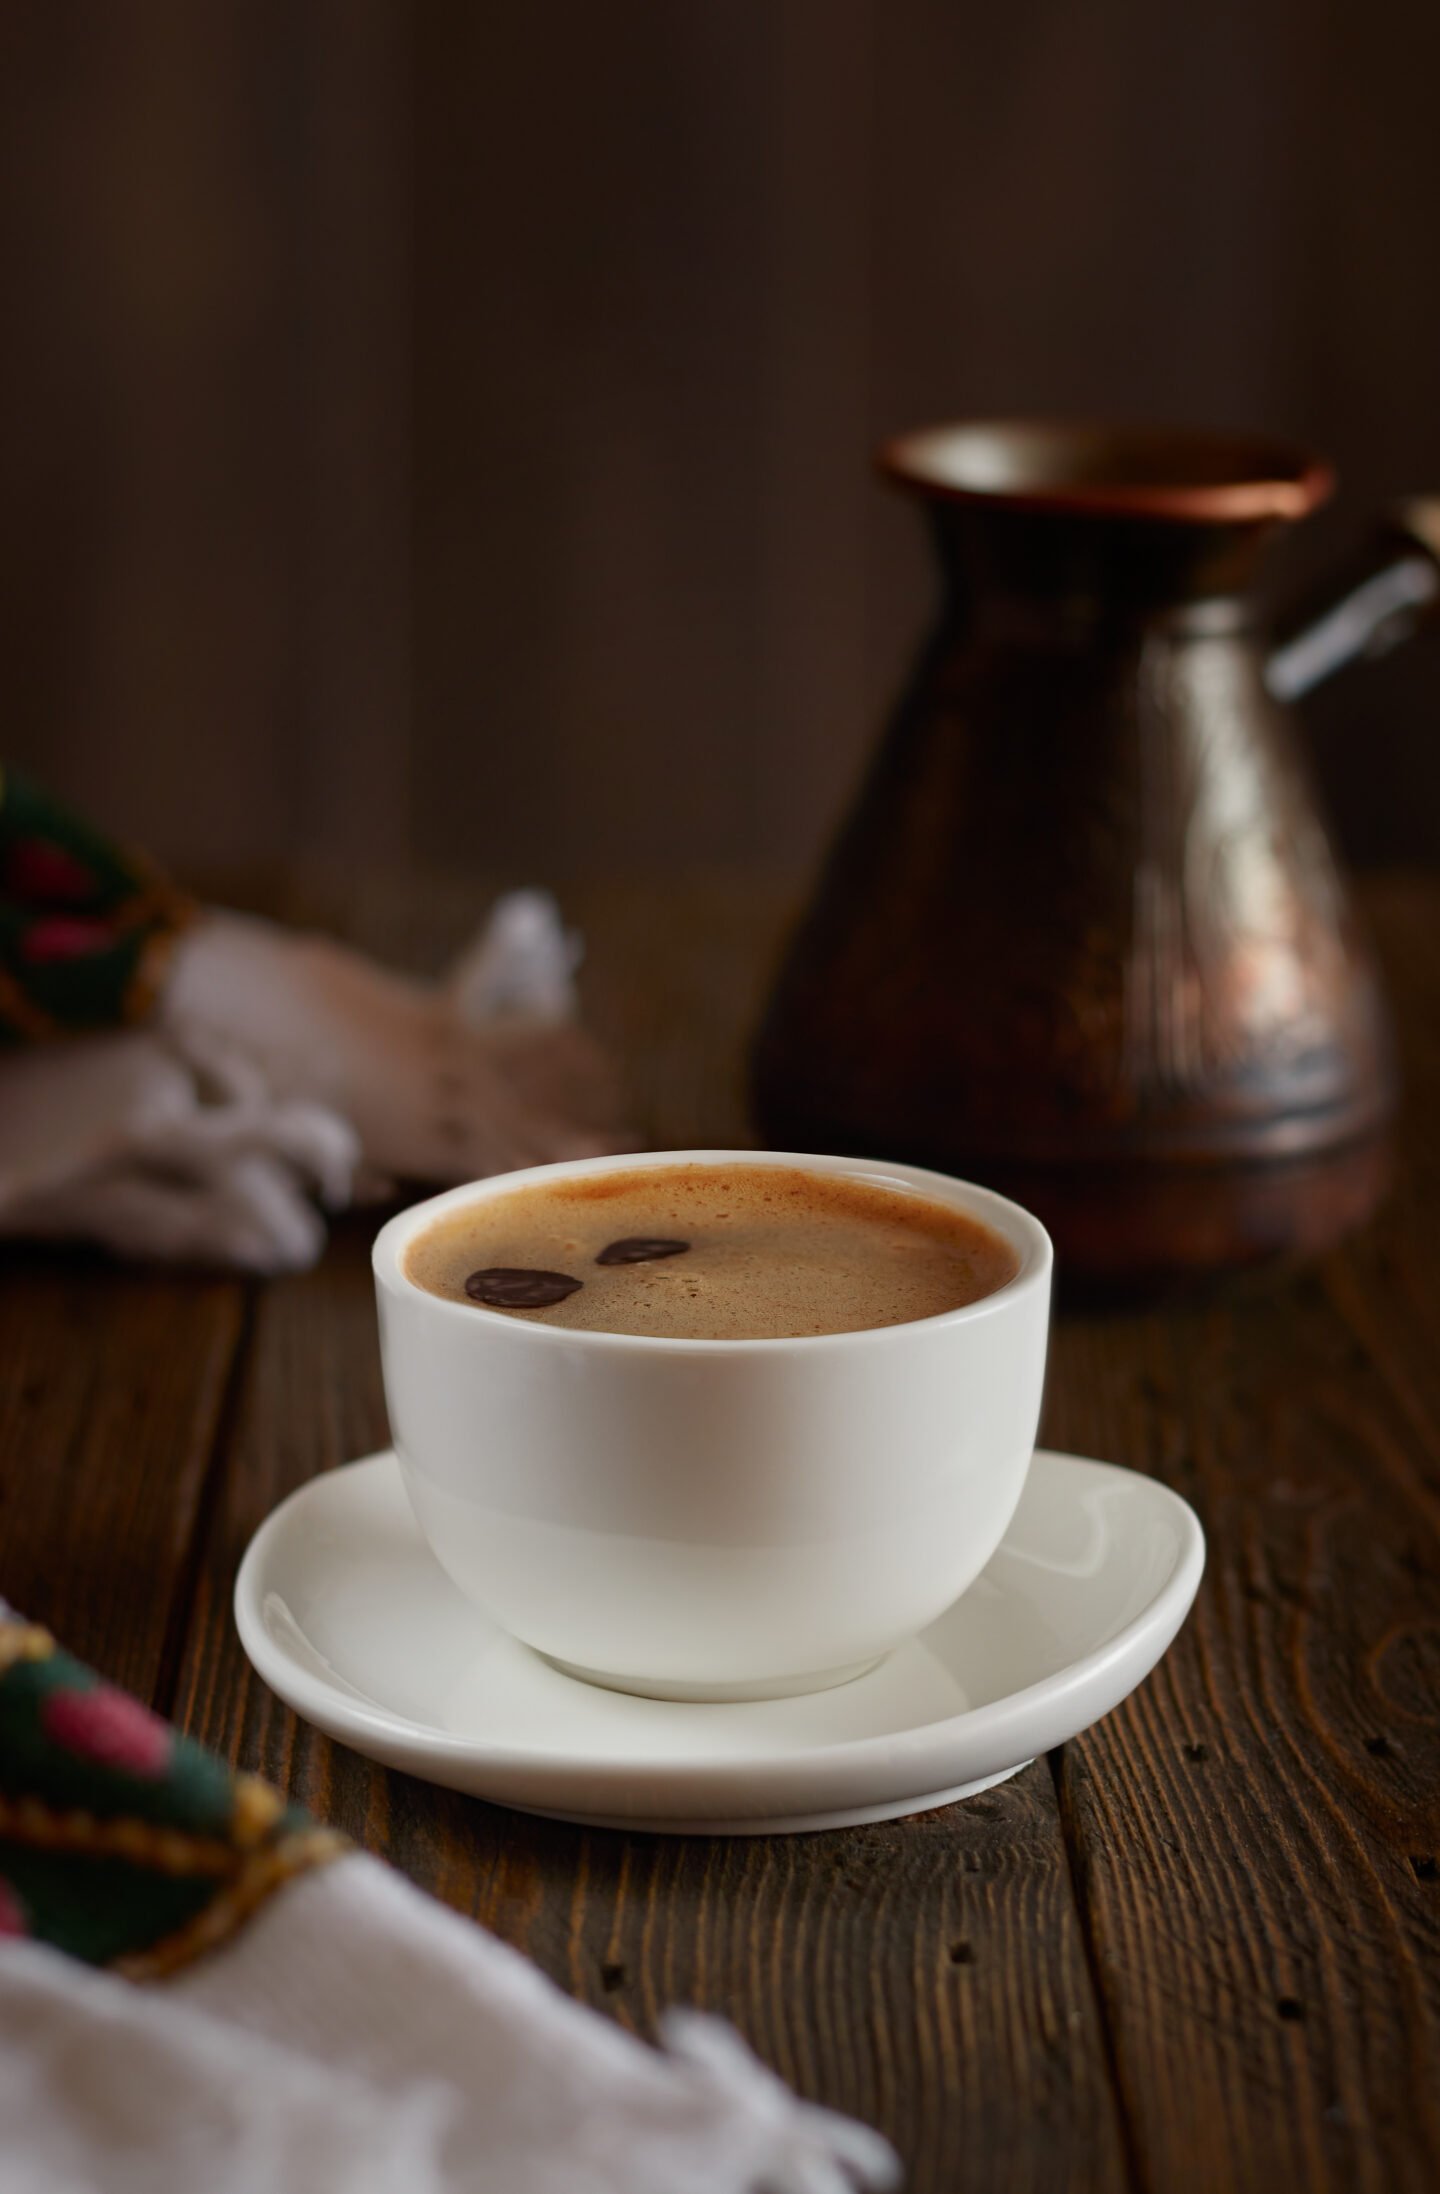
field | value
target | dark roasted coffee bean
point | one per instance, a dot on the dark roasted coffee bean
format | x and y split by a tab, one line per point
639	1249
514	1287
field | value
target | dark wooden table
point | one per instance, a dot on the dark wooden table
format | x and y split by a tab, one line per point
1197	1949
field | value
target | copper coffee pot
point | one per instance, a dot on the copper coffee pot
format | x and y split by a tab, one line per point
1083	936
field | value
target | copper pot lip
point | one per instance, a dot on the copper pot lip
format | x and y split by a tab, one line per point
1108	468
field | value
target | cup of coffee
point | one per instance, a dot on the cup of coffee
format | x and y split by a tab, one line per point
714	1424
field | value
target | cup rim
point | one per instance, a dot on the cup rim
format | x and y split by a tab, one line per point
1019	1227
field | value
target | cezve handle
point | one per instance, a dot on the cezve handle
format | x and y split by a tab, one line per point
1390	592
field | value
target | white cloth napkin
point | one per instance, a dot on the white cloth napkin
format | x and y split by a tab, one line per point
283	1073
358	2038
159	1149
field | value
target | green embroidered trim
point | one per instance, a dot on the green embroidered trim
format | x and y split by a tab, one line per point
85	926
122	1841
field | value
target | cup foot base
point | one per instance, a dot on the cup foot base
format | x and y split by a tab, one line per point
776	1687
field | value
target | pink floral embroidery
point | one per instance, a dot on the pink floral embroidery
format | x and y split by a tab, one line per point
12	1912
64	937
106	1726
38	870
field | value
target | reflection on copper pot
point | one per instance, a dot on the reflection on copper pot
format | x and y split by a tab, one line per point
1083	936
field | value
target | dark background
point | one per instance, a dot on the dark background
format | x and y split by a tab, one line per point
440	432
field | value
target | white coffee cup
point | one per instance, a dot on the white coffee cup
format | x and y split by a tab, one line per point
715	1519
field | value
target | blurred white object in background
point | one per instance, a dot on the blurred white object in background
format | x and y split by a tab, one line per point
522	963
130	1140
281	1069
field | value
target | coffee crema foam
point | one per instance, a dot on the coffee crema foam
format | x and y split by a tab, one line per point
710	1252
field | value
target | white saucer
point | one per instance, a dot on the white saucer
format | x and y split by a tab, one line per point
346	1614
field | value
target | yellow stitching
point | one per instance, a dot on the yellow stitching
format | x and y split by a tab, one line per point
151	971
258	1806
29	1821
156	900
153	898
233	1905
23	1642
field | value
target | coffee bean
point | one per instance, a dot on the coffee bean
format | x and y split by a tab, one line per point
513	1287
639	1249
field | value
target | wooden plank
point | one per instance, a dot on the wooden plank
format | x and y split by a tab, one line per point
1256	1832
112	1386
310	1398
929	1975
588	464
204	235
349	209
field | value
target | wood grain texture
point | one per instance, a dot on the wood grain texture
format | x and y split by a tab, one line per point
309	1398
675	269
112	1388
930	1975
204	573
1255	1832
661	603
927	1975
1195	1950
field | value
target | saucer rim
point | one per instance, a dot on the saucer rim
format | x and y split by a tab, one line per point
1003	1730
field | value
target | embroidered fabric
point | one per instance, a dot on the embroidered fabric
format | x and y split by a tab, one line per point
283	1075
358	2038
307	2020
